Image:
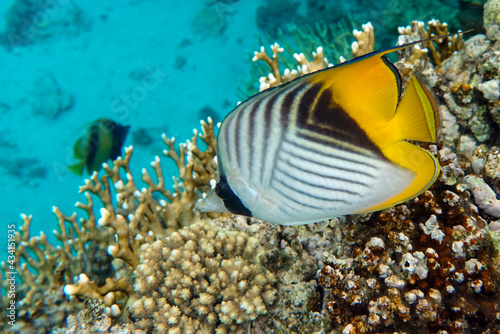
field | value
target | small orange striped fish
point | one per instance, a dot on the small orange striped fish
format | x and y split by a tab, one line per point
327	144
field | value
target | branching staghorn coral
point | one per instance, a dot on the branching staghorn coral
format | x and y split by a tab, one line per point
427	264
127	220
42	270
138	217
365	44
365	40
332	37
440	49
43	265
196	169
304	66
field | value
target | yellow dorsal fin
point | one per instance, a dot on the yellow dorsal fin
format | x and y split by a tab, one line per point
417	114
416	118
369	89
421	162
353	88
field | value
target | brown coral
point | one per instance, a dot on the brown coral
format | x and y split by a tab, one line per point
430	259
138	217
439	49
429	265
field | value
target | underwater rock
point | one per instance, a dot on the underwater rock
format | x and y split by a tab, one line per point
484	196
449	125
207	111
211	20
48	99
490	90
281	11
427	277
28	170
93	319
492	19
141	137
30	21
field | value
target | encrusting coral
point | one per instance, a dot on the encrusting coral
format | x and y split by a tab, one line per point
431	265
423	265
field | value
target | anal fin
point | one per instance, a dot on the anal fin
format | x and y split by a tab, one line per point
420	161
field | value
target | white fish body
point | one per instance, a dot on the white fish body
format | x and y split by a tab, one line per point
308	150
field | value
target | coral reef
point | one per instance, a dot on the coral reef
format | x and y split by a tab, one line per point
138	217
211	20
398	11
364	44
439	49
129	217
145	260
29	171
332	36
470	75
431	265
424	266
330	30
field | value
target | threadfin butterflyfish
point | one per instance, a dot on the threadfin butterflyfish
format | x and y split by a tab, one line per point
327	144
102	142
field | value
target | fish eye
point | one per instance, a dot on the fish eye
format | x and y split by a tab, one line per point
82	147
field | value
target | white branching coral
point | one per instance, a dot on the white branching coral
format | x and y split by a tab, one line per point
201	279
304	66
365	43
365	40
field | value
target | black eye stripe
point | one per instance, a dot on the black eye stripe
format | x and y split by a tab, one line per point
231	201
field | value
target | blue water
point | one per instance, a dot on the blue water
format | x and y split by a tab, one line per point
138	63
158	66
